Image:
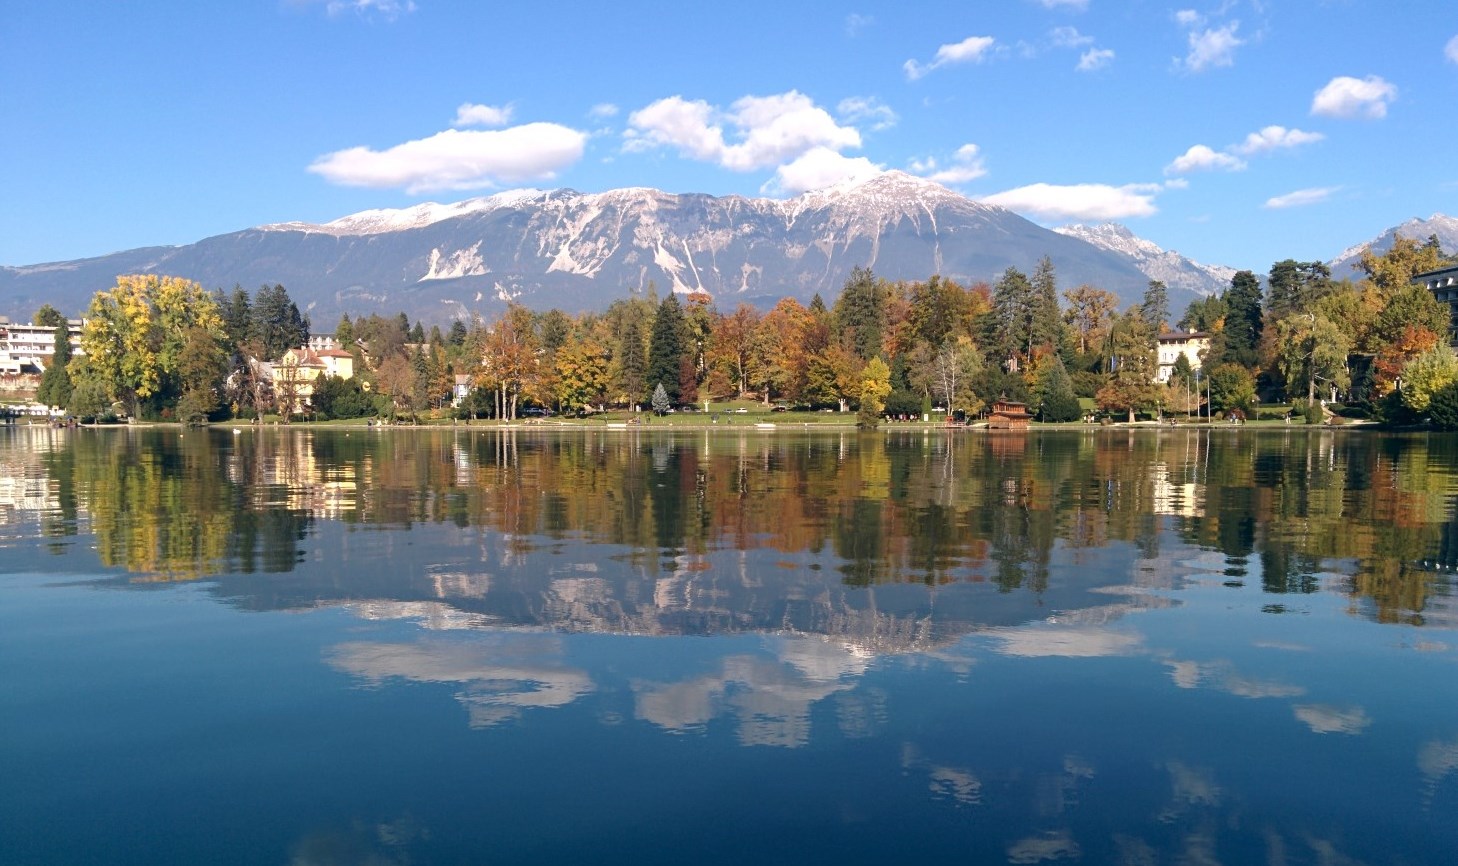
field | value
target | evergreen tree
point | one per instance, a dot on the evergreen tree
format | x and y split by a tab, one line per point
1045	321
1008	325
457	334
632	366
276	322
47	317
1054	393
55	385
661	402
860	313
1241	338
1293	287
1155	306
666	347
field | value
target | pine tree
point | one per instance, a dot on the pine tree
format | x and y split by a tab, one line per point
1155	306
661	403
860	312
666	347
55	385
1241	338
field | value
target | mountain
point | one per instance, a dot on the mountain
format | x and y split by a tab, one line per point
1445	227
579	251
1167	266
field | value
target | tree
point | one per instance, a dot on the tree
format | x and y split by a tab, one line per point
1241	337
1155	306
1310	350
582	372
666	343
1294	287
1394	269
135	335
954	367
1053	392
48	317
632	366
1443	407
1182	373
1205	315
1426	375
830	377
1089	310
55	384
1045	321
860	313
277	324
660	401
1131	385
875	384
1231	387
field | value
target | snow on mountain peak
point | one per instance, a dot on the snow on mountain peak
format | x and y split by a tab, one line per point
1167	266
382	220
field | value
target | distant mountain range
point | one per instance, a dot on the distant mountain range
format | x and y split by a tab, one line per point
579	251
1441	225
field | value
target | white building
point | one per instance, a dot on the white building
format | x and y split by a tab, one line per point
1191	344
28	348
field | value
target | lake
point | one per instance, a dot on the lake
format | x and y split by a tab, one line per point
330	646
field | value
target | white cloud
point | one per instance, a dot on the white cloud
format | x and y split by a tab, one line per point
389	9
1202	158
966	164
769	130
1275	138
855	109
1301	197
1212	47
458	159
818	168
1094	59
973	49
1349	97
1078	202
1189	18
1069	37
602	111
1450	50
469	114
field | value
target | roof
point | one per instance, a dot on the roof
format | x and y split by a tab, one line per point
1172	336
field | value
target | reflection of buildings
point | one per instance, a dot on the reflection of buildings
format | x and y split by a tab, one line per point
1180	497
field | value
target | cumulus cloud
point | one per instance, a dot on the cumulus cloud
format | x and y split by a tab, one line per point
1094	59
1210	47
1275	138
973	49
1078	202
458	159
966	164
1203	158
818	168
1348	97
1300	197
867	109
767	130
469	114
1450	50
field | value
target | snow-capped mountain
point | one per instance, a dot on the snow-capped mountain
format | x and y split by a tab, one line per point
580	251
1441	225
1167	266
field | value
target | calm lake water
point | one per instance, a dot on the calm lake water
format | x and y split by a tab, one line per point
471	646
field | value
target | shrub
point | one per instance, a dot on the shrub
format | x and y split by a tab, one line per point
1443	407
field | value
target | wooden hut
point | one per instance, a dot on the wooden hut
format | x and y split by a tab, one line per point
1008	415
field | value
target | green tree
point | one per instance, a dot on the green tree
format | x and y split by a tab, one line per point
660	401
1231	387
55	384
1239	342
666	344
1131	387
1427	374
860	313
1053	392
1294	287
1311	351
1155	306
632	366
48	317
277	324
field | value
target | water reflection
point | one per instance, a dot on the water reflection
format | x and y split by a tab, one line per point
1287	511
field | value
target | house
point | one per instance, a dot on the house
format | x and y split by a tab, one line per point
294	374
1008	415
461	389
28	348
1443	283
1171	345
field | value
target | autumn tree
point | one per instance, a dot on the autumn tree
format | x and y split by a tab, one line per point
1131	385
1089	311
875	384
1426	375
1311	351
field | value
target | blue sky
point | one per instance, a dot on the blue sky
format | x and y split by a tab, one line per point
1239	133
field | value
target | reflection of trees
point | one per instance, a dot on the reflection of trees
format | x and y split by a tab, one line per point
1285	506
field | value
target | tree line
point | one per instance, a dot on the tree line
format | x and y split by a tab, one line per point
163	347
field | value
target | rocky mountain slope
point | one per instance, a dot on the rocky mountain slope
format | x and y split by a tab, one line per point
581	251
1441	225
1167	266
